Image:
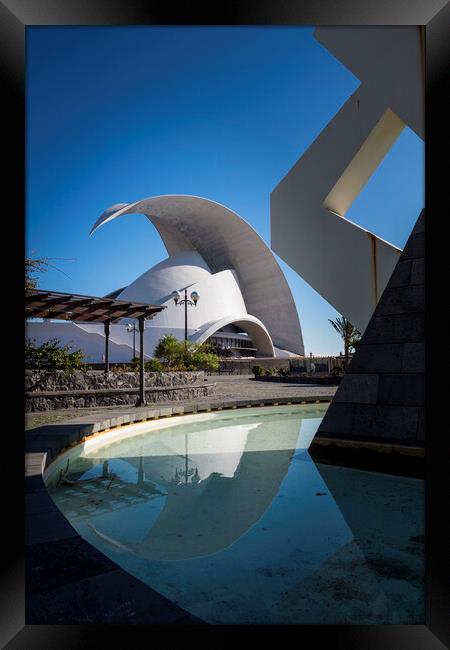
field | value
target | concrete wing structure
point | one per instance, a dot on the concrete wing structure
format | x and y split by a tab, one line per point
345	263
215	250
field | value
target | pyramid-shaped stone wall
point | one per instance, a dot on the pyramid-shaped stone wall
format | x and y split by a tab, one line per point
382	394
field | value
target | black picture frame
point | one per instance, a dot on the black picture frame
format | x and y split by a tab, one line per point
15	16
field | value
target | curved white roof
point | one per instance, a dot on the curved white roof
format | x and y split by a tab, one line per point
224	241
254	328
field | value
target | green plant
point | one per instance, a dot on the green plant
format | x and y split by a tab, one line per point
121	368
169	350
258	371
185	355
51	355
207	361
270	372
284	372
153	365
349	334
34	267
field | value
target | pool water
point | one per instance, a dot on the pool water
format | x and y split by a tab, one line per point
227	515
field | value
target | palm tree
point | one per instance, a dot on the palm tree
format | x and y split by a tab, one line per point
349	334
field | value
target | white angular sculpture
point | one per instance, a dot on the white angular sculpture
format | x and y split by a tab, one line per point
348	265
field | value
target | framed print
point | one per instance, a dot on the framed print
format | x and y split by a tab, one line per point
210	482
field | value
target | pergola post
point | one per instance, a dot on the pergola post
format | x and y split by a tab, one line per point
141	401
107	330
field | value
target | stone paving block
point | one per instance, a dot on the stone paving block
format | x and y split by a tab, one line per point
418	271
395	329
49	447
385	421
402	389
65	435
201	406
372	358
177	410
39	502
35	463
154	413
87	430
34	484
358	389
402	300
165	411
413	357
47	527
63	561
137	416
228	404
112	597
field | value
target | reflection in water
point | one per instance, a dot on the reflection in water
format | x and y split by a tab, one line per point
227	516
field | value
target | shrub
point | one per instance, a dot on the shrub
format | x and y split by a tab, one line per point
169	350
207	361
122	368
258	371
284	372
185	355
153	365
270	372
51	355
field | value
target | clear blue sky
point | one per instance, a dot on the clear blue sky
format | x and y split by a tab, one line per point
119	114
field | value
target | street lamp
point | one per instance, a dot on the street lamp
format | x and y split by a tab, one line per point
195	297
131	327
187	472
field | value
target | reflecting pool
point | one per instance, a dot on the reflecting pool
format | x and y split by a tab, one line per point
227	515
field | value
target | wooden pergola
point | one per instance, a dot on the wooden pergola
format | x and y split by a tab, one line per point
90	309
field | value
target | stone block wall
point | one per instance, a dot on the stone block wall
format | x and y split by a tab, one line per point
58	380
46	390
382	394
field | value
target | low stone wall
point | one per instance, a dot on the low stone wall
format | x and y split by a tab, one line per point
45	390
58	380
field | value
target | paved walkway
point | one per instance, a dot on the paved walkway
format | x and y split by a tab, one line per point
228	387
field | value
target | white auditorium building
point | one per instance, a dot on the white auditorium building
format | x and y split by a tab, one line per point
245	304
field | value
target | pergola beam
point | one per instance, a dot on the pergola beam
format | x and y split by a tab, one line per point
89	309
52	304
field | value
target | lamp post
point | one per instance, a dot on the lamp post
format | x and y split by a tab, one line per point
186	473
195	296
131	327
